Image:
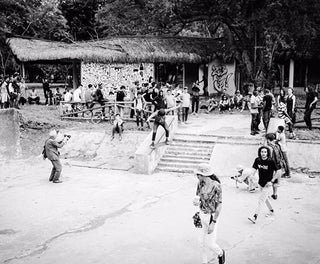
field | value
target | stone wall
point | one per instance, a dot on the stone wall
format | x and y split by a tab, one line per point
116	74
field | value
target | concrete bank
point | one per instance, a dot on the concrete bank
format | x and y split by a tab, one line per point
146	159
9	134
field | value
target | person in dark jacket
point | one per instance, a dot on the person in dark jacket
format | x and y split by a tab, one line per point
52	153
311	102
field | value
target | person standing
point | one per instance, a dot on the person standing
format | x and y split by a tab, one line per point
185	99
209	199
195	99
53	154
254	104
311	102
46	89
291	105
139	105
266	108
4	95
266	171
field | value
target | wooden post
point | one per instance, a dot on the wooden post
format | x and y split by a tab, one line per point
23	70
183	75
74	75
291	73
281	75
306	76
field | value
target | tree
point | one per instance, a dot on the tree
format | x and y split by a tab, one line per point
257	30
35	18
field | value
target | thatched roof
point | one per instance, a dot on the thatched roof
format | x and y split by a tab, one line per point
120	49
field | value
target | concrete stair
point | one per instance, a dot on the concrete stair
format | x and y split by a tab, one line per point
185	153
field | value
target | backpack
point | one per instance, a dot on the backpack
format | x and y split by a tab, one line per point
44	153
277	156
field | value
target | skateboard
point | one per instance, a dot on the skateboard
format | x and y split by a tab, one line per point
158	145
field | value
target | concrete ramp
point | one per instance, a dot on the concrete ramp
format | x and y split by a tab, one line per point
9	134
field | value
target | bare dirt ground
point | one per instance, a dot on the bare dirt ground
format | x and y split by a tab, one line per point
37	120
104	215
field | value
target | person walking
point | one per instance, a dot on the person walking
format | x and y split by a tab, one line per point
52	153
209	199
281	140
311	102
277	156
266	171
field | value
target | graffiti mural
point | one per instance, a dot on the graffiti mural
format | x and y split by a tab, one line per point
220	77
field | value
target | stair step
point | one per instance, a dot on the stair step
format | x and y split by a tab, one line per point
181	148
178	164
178	160
174	169
182	156
193	145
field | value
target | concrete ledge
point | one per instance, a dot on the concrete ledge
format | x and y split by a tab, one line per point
147	159
9	134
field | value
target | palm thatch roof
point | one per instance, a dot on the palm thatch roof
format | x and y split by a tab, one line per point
120	49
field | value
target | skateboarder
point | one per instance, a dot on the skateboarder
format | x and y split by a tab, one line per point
160	120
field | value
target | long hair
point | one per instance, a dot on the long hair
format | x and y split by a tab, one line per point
268	152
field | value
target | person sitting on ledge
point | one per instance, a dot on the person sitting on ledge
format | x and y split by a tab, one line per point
33	97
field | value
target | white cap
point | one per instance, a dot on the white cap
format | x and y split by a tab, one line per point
53	133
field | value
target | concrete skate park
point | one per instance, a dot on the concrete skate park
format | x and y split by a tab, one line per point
108	210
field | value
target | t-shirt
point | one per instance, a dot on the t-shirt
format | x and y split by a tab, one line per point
185	99
282	141
120	96
254	105
267	99
76	95
266	169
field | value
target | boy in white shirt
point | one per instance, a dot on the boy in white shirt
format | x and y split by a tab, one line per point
281	140
186	102
117	127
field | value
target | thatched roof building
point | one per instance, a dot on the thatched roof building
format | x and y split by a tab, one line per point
127	49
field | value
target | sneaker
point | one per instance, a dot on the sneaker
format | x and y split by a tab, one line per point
274	196
152	145
253	219
252	190
270	214
57	181
222	258
167	142
112	138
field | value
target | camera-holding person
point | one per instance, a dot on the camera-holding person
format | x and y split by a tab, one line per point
52	153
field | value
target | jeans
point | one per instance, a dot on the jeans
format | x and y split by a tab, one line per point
307	117
139	117
185	111
56	170
155	128
195	104
266	115
208	242
254	122
287	168
264	199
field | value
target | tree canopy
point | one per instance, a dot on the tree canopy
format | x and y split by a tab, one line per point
259	31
